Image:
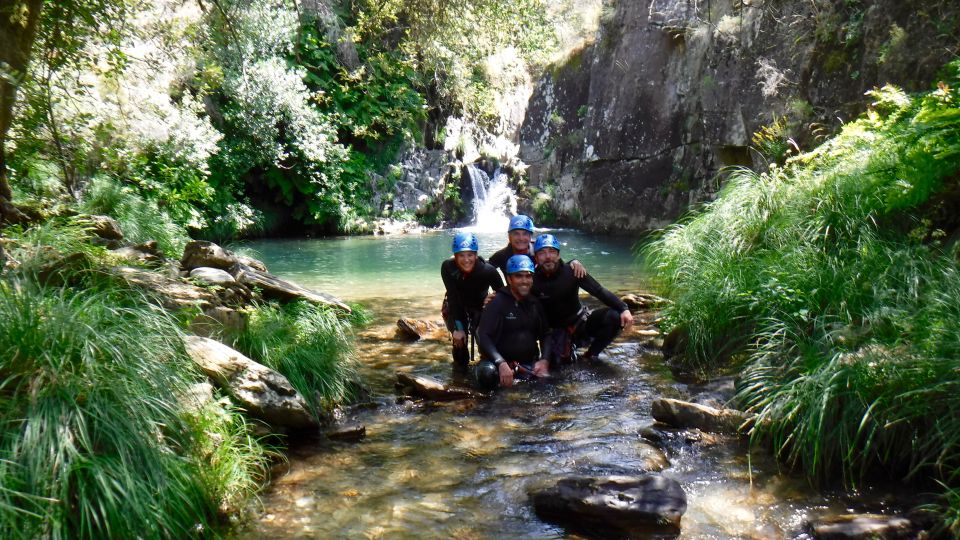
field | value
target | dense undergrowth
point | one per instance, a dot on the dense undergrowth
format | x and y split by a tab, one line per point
98	436
833	281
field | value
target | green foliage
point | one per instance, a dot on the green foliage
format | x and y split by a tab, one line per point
310	345
830	282
140	218
93	440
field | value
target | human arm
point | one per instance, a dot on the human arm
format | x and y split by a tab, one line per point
591	285
458	313
541	368
579	271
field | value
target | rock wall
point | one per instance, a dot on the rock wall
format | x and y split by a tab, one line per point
630	131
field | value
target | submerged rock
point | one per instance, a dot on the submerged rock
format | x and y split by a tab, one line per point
430	388
346	432
615	506
863	527
264	393
420	329
685	414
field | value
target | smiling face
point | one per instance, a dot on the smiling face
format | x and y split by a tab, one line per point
519	240
465	260
520	283
549	259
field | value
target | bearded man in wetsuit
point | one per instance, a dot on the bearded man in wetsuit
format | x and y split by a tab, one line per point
558	289
467	279
519	234
511	327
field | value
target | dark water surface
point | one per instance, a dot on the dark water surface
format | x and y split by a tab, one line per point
464	469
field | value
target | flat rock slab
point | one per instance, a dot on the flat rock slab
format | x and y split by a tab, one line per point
174	293
684	414
274	287
636	301
430	388
863	527
261	391
415	329
615	506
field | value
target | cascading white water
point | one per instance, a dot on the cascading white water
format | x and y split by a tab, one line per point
493	200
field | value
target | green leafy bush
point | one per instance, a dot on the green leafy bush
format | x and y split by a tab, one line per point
833	279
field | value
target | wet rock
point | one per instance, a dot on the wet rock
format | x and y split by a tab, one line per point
202	253
276	288
615	506
654	460
862	527
346	432
420	329
638	301
261	391
212	276
685	414
430	388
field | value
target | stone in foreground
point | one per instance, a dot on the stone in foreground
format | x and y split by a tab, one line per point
261	391
614	507
430	388
415	329
863	527
684	414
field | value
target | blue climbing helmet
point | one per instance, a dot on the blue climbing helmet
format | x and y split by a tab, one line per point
521	222
546	241
465	241
519	263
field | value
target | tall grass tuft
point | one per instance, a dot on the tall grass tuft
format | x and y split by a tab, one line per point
93	440
832	279
140	219
310	345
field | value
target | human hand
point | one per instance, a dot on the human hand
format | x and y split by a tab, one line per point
541	368
506	375
579	271
626	319
489	298
459	338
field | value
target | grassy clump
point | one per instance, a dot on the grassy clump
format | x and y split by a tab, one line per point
140	219
94	442
310	345
834	280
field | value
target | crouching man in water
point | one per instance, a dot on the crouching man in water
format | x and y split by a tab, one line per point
467	279
511	327
558	289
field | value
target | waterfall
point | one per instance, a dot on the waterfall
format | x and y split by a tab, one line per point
493	200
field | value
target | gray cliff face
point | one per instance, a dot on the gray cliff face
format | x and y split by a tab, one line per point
628	133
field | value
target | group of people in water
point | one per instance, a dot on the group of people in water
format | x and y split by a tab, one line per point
532	323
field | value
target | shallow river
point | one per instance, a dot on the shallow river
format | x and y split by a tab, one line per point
464	469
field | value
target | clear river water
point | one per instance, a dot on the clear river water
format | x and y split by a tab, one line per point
464	469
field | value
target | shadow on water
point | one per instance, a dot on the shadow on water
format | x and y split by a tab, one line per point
464	469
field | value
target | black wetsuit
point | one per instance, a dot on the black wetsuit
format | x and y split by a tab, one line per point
465	296
560	295
500	258
510	330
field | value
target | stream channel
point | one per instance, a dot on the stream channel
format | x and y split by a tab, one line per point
464	469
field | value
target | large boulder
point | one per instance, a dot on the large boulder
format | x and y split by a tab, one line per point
202	253
614	506
212	276
432	389
173	293
261	391
684	414
279	289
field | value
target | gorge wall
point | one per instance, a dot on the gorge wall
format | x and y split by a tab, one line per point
631	130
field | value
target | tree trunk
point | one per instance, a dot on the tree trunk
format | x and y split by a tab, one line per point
18	29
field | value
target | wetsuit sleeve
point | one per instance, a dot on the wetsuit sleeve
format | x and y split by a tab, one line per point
546	344
596	290
457	312
489	330
495	280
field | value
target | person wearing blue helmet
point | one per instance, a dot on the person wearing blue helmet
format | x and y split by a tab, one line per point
519	234
467	279
513	332
558	289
